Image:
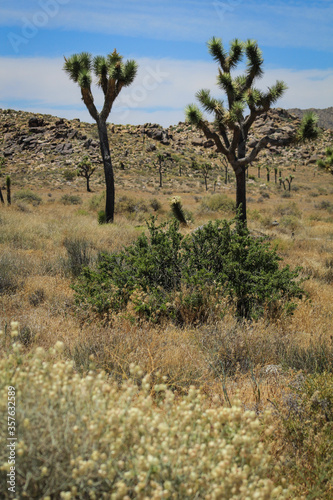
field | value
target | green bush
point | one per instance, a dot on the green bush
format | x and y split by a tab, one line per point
152	272
28	196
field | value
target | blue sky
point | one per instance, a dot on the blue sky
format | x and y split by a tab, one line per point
168	39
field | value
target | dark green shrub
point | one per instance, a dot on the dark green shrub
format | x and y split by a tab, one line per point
168	275
101	217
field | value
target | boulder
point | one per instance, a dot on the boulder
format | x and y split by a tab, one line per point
35	122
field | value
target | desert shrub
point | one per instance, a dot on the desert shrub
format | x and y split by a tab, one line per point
152	271
13	269
78	255
155	204
71	199
28	196
37	297
101	217
69	175
307	437
217	203
290	222
130	206
312	359
132	441
97	202
325	205
290	208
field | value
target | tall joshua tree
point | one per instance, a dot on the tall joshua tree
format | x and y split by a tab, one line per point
231	126
112	75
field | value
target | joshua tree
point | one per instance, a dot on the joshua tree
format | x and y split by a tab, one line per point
308	129
85	169
231	127
268	170
205	169
289	180
161	160
275	174
112	75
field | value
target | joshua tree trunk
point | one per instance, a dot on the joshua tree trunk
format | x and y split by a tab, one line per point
241	194
206	183
1	197
88	185
8	186
108	170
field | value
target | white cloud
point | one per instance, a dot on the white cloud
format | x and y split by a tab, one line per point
279	23
159	94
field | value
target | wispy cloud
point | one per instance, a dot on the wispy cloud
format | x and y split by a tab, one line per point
159	94
278	23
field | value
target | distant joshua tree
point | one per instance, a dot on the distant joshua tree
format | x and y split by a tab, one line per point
112	75
231	127
308	129
205	169
85	169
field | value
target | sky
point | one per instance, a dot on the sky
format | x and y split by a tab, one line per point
168	39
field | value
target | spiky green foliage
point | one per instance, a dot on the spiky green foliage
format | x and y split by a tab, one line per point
231	126
193	114
216	50
110	71
76	64
308	129
112	75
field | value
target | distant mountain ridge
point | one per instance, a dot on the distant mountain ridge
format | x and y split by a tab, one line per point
325	115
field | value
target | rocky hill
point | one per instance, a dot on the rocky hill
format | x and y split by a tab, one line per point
325	115
47	149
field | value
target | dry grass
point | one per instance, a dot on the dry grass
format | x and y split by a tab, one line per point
228	360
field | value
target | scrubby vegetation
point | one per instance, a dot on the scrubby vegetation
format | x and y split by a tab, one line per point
161	359
169	276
